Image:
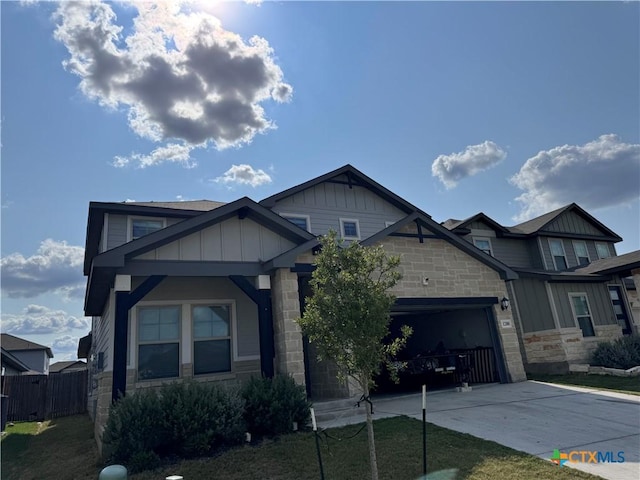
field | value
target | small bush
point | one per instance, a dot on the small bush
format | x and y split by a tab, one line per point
272	405
624	353
184	419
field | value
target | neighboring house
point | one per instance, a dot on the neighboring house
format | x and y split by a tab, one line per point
212	291
67	367
34	355
12	365
570	293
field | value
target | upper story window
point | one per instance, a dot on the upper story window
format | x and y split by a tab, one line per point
302	221
603	250
350	229
158	342
582	254
483	244
141	226
557	252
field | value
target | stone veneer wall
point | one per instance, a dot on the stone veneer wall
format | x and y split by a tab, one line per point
453	273
552	351
287	333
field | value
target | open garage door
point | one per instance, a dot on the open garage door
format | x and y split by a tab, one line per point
453	340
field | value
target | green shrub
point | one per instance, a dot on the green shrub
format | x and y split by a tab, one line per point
272	405
185	419
624	353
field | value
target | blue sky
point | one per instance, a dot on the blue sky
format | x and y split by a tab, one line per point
512	109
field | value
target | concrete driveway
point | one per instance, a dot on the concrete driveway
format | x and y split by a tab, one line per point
536	418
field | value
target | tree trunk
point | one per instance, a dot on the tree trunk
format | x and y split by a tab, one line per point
372	442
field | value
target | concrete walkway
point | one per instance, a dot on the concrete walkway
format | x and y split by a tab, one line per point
533	417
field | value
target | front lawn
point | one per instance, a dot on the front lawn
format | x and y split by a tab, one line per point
62	448
65	450
629	385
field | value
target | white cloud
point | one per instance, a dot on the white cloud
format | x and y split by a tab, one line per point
598	174
39	319
178	73
173	153
244	175
452	168
65	344
56	267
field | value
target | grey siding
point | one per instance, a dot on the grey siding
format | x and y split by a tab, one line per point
327	202
533	304
34	359
599	303
102	336
512	252
231	240
116	231
534	253
571	222
184	289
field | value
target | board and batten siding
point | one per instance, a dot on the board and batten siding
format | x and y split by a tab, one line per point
571	222
185	289
511	252
118	228
533	305
327	202
597	296
102	335
232	240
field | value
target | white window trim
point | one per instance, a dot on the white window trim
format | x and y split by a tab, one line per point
136	343
354	220
131	218
232	333
553	257
575	316
573	242
488	240
604	244
298	215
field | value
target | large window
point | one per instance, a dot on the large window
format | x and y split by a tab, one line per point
582	313
302	221
483	244
603	250
582	254
350	229
557	252
144	226
211	339
158	342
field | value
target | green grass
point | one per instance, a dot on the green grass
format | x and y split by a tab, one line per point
629	385
65	450
399	450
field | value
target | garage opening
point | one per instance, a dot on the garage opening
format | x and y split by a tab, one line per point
454	340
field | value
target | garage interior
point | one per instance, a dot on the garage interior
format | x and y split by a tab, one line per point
453	341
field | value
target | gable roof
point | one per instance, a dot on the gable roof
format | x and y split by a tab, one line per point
104	266
452	224
538	224
60	366
97	211
443	233
12	361
11	343
355	177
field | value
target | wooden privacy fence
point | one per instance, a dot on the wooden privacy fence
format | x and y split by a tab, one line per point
40	397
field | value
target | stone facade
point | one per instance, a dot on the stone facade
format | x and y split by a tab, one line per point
287	334
554	351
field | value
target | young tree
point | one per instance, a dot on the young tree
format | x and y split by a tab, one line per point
347	316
